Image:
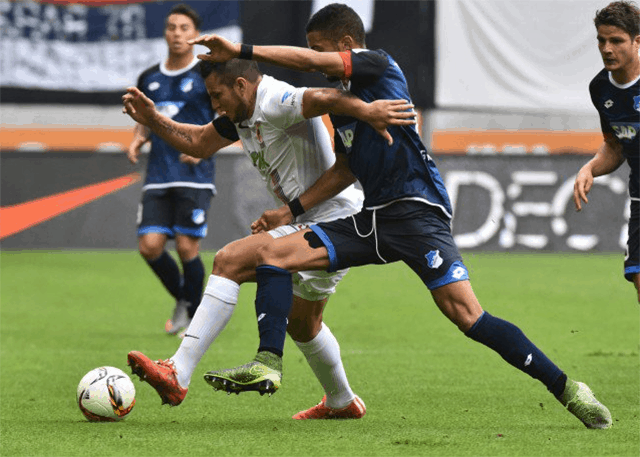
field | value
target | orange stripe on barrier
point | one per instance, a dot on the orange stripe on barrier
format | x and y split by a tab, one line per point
16	218
527	141
65	138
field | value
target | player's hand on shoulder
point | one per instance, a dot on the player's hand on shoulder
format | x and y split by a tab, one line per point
184	158
383	113
220	49
137	105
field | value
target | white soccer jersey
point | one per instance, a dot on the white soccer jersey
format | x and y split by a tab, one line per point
292	152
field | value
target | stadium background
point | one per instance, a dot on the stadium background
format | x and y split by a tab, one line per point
501	88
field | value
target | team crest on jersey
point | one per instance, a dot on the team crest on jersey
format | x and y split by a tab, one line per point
155	85
186	85
169	109
433	259
197	216
636	103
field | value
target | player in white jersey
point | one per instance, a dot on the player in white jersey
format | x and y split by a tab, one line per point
291	148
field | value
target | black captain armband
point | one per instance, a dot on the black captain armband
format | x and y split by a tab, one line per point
246	51
296	207
226	128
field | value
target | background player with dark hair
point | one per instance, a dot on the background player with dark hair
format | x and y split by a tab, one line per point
291	149
406	213
178	188
615	92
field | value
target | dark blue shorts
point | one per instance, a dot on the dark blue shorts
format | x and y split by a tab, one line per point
632	258
410	231
175	210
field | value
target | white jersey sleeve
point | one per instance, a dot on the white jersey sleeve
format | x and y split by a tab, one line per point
282	105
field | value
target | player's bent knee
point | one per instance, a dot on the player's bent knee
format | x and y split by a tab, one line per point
150	251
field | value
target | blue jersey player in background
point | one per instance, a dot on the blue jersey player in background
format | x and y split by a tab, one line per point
406	215
178	188
615	92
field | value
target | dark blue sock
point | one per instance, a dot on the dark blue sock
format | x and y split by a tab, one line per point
166	269
513	346
273	303
193	272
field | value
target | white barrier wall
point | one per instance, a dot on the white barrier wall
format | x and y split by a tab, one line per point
523	54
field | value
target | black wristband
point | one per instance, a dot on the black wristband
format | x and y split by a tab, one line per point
246	51
296	207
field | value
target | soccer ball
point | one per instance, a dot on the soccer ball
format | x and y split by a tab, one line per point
106	394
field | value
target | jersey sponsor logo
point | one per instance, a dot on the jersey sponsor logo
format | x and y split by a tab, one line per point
625	131
155	85
636	103
347	134
284	96
433	259
186	85
259	161
608	104
197	216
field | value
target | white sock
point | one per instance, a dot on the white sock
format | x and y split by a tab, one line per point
217	305
323	355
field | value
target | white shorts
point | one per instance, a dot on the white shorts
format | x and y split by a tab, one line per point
310	285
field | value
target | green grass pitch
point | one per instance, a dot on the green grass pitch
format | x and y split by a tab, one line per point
428	389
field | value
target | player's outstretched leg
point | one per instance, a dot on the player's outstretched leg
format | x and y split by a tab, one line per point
354	410
263	375
581	402
161	375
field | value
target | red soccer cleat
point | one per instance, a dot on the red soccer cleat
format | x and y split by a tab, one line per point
354	410
161	375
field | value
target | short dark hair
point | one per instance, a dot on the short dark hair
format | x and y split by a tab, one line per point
185	10
624	15
231	70
336	21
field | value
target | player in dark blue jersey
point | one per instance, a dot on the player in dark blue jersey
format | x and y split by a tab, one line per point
406	216
178	188
615	92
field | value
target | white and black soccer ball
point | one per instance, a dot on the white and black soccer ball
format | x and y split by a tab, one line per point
106	394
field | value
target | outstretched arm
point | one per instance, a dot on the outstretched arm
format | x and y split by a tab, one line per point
329	184
295	58
200	141
379	114
608	158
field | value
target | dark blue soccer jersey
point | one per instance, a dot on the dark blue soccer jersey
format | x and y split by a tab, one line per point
182	96
619	109
387	173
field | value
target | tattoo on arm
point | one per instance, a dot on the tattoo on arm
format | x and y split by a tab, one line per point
171	130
